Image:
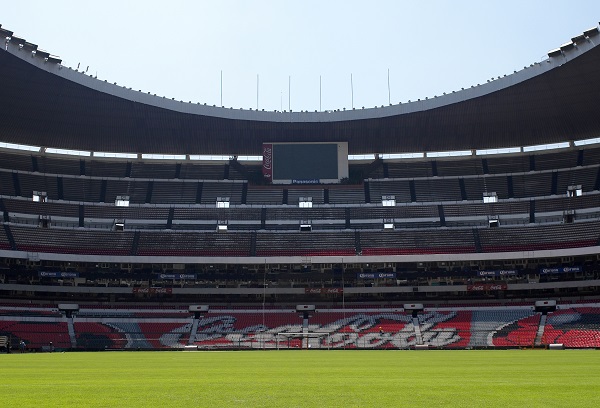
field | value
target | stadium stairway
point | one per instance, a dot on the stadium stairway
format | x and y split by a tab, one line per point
193	332
418	335
11	238
305	331
540	332
71	329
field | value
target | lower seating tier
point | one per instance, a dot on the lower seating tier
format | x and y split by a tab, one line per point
574	327
479	327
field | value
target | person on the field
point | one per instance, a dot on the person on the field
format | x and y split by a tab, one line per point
22	346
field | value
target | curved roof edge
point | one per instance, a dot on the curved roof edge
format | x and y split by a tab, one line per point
30	53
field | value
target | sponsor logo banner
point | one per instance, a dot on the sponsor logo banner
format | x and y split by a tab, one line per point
376	275
153	291
484	287
177	276
44	274
309	181
267	166
323	291
231	331
502	272
560	269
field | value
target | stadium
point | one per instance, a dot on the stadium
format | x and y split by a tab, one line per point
464	221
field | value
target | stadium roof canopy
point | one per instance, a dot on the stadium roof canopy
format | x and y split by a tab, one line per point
45	104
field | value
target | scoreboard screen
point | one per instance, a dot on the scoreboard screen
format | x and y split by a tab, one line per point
305	163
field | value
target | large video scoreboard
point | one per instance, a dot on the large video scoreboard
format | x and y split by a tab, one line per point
305	163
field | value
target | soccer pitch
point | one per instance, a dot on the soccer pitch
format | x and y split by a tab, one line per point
303	378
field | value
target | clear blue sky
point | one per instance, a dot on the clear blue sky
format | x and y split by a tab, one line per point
179	48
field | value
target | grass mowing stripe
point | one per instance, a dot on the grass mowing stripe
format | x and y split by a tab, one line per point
302	378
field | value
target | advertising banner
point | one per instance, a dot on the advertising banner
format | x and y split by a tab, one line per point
502	272
560	269
484	287
153	291
44	274
376	275
306	181
323	291
177	276
267	166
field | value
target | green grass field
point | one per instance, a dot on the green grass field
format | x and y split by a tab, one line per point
302	378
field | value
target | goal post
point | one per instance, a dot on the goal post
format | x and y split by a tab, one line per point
287	340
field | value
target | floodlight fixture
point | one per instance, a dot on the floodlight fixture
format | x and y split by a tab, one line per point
567	46
6	33
18	40
54	59
30	46
592	32
554	53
